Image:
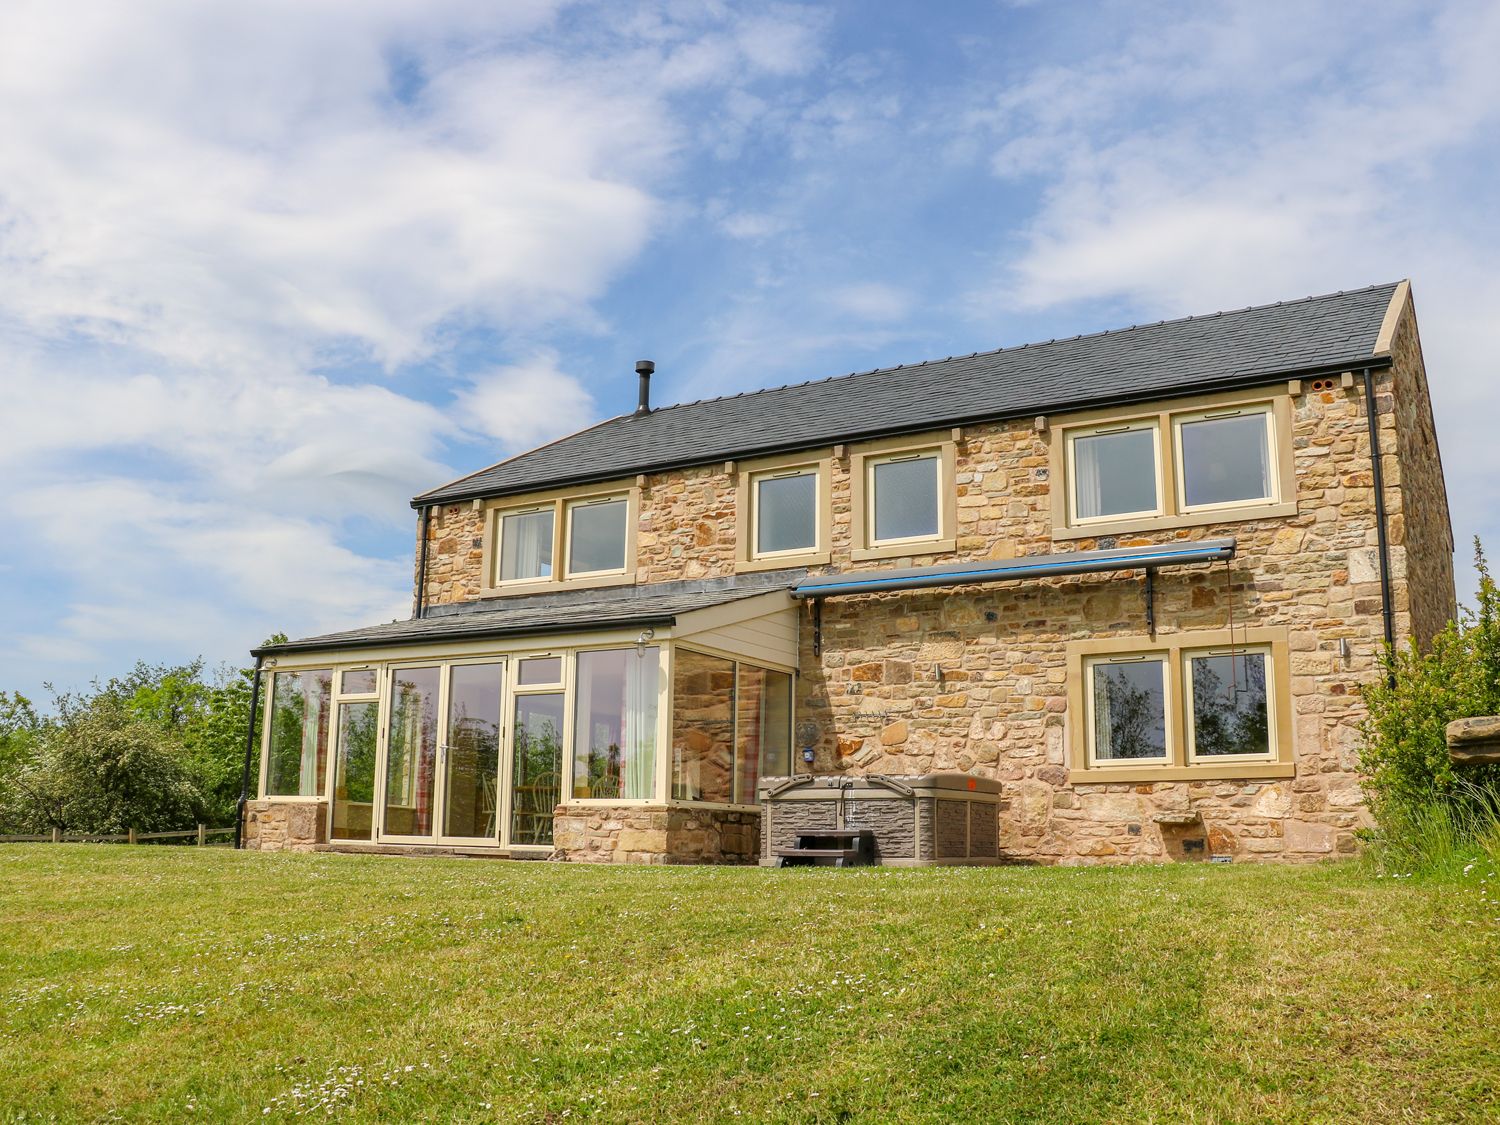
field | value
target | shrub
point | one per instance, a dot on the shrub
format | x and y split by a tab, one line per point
101	769
1415	794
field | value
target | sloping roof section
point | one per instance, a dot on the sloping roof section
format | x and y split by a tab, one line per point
1147	361
544	615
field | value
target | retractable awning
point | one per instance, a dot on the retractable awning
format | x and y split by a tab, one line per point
1148	559
1010	570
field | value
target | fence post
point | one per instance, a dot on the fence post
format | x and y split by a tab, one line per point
131	838
202	834
56	835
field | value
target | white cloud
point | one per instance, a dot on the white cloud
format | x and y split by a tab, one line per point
524	404
871	300
241	250
1207	161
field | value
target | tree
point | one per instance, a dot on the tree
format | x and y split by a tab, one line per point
101	769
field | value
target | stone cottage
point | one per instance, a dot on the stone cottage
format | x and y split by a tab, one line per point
1128	583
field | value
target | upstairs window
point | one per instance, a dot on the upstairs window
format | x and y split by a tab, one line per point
1225	457
526	545
596	536
904	500
1115	472
562	538
1228	458
786	512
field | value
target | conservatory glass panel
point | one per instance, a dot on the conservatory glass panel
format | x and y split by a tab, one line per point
614	724
297	756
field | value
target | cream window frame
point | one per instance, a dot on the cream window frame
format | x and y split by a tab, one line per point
746	557
499	538
1273	482
1107	430
570	507
273	668
862	464
1271	639
659	794
755	505
1162	658
1277	404
561	502
1190	727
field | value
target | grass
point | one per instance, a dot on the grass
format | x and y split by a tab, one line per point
178	984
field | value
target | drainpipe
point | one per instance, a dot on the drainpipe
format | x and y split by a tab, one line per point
1378	478
239	821
422	563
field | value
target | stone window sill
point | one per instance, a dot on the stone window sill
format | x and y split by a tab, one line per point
783	562
552	586
905	550
1166	523
1245	771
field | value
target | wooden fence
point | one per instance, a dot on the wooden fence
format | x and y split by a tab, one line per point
197	836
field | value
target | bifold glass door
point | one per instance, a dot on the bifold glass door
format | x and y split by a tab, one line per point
471	752
442	753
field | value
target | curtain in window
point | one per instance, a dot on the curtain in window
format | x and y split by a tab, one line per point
526	546
640	724
1088	493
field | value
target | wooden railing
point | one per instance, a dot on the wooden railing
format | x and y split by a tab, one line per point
197	836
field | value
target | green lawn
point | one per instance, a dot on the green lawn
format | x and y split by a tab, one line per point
175	984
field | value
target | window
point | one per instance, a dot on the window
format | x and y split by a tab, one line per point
1128	709
1181	707
540	670
411	752
1231	705
763	729
1227	458
783	511
526	545
596	536
357	681
904	497
1115	472
786	512
731	725
354	770
614	724
1224	458
297	750
577	537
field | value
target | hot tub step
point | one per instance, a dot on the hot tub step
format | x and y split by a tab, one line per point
838	847
817	857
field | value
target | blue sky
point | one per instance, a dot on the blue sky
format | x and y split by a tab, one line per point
268	270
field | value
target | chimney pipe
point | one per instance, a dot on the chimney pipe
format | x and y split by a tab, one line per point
644	368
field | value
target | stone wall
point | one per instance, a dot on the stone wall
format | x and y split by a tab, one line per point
654	834
285	826
1422	527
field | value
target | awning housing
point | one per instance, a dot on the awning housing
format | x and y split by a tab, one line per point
1010	570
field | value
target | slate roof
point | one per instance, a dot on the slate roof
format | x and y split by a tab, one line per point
539	614
1186	356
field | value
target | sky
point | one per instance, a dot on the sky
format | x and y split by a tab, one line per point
268	270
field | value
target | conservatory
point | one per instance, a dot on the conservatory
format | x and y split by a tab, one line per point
622	728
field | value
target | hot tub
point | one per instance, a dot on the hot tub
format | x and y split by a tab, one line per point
936	818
